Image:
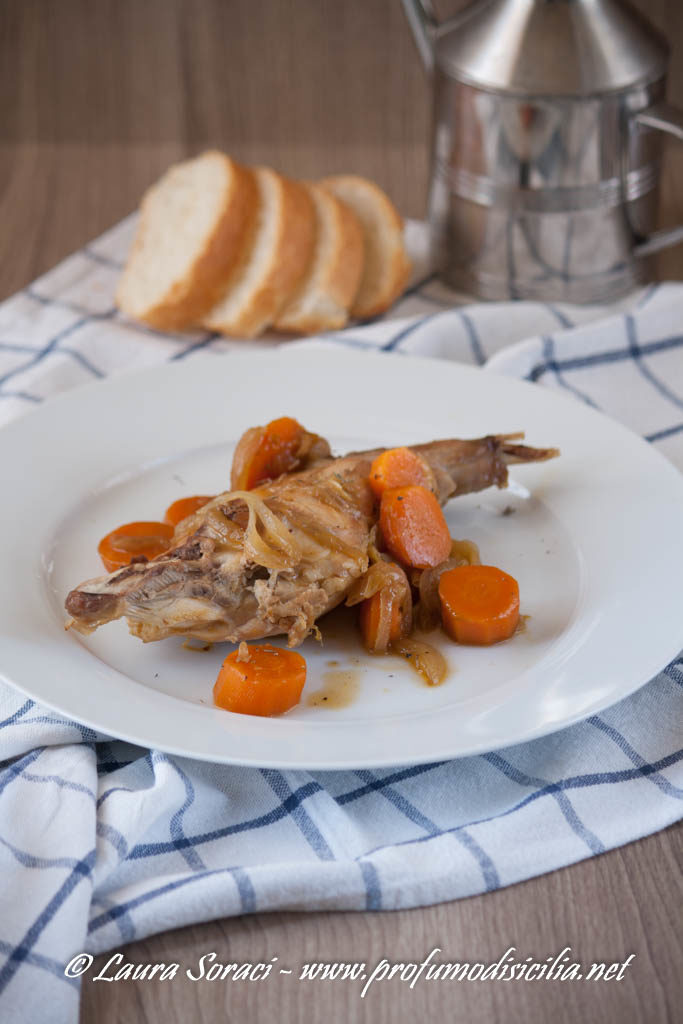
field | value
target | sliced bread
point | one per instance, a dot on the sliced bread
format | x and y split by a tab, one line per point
274	261
324	296
387	266
193	226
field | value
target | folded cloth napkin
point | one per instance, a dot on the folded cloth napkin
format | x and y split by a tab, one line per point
102	842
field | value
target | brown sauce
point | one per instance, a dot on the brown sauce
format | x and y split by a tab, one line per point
342	686
196	645
521	625
340	689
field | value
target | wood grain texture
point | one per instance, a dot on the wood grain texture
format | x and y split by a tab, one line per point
96	99
624	902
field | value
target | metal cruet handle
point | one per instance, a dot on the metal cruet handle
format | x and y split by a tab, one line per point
664	118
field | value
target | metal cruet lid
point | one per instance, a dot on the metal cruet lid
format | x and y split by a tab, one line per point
551	47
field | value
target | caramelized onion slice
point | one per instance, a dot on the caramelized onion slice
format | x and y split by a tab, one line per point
466	551
428	614
379	576
424	658
267	540
391	583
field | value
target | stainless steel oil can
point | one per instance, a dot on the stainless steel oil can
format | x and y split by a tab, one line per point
547	146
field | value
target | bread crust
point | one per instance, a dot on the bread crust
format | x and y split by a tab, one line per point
337	285
287	263
188	299
396	265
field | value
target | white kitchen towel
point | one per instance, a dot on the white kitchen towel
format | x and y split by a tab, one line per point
102	843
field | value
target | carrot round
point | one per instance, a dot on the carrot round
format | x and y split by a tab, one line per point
264	680
134	540
397	467
479	604
413	527
184	507
264	453
370	620
386	616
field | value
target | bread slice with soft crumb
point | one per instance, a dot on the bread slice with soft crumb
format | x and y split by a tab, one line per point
324	296
193	225
387	266
273	262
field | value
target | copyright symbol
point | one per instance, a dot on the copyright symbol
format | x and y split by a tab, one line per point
78	965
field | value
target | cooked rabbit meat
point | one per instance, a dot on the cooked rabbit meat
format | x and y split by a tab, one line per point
254	564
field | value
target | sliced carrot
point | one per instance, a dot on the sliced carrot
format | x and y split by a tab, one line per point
385	617
184	507
479	604
370	620
413	527
134	540
264	453
266	680
397	467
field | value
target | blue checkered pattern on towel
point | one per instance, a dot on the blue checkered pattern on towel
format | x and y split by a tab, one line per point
102	843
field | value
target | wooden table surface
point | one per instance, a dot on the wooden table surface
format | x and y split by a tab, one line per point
95	101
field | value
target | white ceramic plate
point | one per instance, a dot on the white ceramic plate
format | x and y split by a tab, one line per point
595	541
